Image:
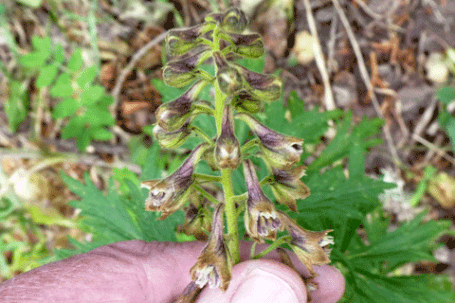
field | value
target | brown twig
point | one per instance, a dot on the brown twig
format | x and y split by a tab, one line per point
124	73
319	57
365	77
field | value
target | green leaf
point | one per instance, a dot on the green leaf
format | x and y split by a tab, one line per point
34	59
97	116
42	44
340	146
446	94
105	101
62	87
49	217
356	160
410	242
83	140
255	65
74	128
101	134
59	53
65	108
168	93
31	3
87	76
450	130
91	94
121	175
47	75
16	108
75	61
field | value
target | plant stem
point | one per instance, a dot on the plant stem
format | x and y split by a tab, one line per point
272	246
206	194
226	178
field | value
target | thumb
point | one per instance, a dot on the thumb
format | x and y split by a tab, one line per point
259	281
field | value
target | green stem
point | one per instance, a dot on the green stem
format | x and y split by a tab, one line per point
272	246
208	178
201	134
250	144
206	194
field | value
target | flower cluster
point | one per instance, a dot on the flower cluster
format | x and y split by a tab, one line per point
239	94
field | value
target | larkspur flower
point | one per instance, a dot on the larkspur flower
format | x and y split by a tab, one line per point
182	40
311	247
171	193
287	186
266	88
261	219
233	20
229	79
213	267
249	46
227	147
174	138
181	71
173	115
279	150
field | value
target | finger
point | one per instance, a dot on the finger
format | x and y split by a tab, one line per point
330	280
131	271
264	281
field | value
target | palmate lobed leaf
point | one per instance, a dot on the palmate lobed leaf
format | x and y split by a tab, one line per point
373	288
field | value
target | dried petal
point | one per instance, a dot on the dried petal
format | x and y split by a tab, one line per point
213	266
261	219
227	147
311	247
172	115
169	194
287	186
279	150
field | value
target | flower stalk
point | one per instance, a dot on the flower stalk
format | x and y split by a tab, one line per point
238	94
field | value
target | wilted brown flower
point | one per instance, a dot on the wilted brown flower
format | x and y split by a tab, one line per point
169	194
287	186
172	115
279	150
311	247
213	267
261	219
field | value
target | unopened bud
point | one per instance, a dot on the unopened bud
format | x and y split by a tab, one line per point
228	78
172	139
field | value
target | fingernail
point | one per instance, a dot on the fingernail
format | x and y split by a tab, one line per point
263	286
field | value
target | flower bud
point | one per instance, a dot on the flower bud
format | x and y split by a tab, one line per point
228	78
174	138
263	87
311	247
287	186
213	267
172	115
279	150
233	20
248	46
169	194
227	147
182	70
261	219
182	40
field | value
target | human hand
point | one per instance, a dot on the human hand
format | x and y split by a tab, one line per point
136	271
